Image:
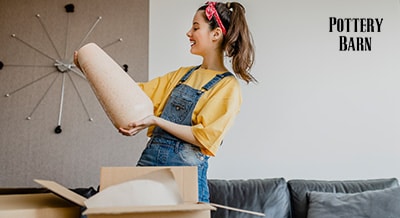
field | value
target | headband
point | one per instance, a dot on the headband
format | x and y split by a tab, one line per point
212	11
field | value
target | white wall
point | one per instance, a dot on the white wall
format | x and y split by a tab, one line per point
317	112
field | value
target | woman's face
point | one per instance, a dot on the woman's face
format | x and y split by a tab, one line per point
200	35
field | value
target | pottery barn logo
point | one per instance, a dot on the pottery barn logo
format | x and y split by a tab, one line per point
358	26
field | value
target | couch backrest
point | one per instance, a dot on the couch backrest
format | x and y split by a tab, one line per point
268	196
300	188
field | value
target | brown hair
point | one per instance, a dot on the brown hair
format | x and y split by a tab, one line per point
238	42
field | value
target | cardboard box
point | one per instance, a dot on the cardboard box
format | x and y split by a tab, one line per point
186	178
37	206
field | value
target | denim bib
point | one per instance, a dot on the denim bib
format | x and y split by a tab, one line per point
164	149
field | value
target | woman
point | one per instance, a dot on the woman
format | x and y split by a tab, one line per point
195	106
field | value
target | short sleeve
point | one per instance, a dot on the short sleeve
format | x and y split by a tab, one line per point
217	114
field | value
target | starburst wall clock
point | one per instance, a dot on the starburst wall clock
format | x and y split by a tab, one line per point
62	67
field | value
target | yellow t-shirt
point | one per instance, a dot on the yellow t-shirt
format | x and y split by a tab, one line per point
215	111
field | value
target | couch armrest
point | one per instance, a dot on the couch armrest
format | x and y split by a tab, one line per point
268	196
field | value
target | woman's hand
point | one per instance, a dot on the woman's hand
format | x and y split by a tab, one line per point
136	127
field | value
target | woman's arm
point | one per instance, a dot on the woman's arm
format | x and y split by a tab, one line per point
182	132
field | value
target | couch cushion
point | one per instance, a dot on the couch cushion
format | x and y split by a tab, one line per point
299	188
377	203
268	196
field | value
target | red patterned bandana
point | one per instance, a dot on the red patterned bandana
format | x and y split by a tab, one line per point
212	11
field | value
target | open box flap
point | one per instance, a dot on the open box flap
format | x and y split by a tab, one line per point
62	192
148	209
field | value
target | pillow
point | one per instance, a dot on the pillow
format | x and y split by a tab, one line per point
299	188
383	203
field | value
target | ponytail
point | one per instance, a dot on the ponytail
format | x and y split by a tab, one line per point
237	42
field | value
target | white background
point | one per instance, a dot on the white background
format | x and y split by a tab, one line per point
317	112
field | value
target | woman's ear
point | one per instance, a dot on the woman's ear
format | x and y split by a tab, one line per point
217	34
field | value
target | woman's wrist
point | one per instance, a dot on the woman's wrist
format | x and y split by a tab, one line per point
155	120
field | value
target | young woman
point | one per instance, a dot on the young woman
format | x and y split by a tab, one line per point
195	106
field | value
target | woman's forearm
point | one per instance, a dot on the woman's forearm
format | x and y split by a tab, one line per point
182	132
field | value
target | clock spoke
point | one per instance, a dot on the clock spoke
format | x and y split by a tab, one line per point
89	32
31	46
41	99
112	43
80	97
61	105
69	8
48	35
28	84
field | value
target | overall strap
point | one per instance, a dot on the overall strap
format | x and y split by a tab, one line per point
215	80
186	76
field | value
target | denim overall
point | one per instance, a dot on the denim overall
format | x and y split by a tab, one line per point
164	149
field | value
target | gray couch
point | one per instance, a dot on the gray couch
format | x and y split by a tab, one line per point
277	198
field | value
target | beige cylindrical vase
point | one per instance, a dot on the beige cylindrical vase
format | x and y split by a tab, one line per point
121	98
